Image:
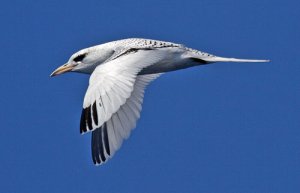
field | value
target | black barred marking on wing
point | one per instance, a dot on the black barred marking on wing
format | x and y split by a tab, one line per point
100	144
95	114
143	45
160	44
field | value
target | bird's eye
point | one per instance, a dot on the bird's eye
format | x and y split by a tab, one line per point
79	58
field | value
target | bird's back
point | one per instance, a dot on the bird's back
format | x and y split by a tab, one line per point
143	43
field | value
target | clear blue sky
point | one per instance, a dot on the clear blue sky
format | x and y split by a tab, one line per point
226	127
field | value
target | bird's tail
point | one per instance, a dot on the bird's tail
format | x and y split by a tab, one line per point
221	59
206	59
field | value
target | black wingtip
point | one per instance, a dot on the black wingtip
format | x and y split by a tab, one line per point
95	147
105	137
100	144
83	122
88	118
95	113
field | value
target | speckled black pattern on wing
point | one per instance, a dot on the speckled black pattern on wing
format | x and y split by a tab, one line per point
133	45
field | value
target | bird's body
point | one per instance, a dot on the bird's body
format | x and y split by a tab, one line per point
120	71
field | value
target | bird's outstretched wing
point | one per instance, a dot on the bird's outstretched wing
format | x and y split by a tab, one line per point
108	138
115	94
111	84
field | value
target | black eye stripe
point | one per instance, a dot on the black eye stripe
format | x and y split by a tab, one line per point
79	58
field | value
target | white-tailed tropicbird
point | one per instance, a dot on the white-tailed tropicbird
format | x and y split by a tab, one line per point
120	71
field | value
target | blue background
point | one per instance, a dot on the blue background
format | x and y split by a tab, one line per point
227	127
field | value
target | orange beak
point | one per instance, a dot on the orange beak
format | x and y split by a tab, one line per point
62	69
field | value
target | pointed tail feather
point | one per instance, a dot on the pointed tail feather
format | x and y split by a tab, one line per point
221	59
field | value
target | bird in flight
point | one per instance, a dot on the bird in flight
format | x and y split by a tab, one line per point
120	71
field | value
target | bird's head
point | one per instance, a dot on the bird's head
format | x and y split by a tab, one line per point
84	61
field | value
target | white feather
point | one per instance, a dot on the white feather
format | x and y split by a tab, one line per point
124	120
